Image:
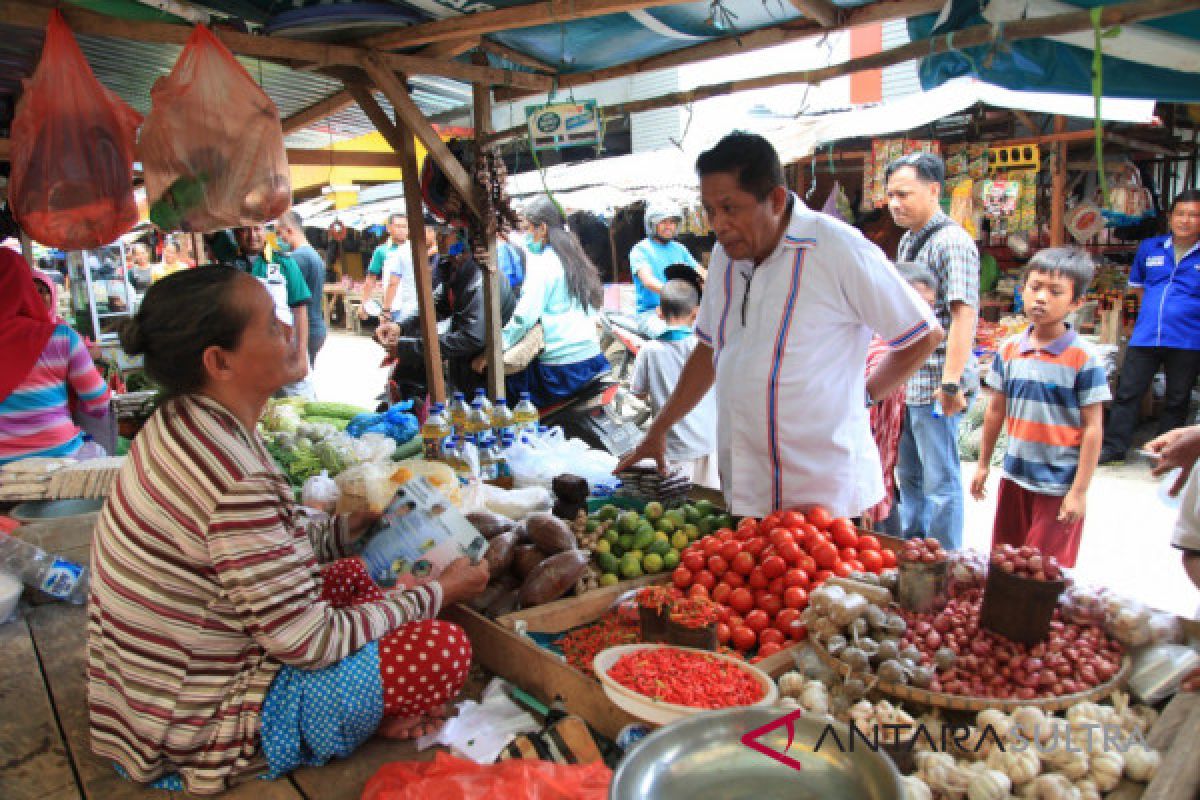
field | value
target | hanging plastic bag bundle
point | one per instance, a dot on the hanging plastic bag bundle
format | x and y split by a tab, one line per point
72	161
212	146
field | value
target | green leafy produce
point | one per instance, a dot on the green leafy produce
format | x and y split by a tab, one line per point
298	463
338	410
336	422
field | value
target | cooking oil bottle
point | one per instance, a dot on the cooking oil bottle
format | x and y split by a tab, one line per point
525	415
503	420
458	412
481	396
478	421
434	432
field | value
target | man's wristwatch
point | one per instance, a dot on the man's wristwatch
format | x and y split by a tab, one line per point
950	388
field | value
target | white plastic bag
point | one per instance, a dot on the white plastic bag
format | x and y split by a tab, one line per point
537	460
365	487
320	492
516	503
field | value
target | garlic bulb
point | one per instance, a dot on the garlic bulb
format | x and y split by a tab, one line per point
1087	790
913	788
1052	786
1085	714
1141	763
988	784
1074	764
1031	721
1107	766
934	768
815	698
995	719
1020	766
789	703
862	714
792	683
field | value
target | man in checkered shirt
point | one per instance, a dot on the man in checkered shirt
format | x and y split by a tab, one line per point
928	472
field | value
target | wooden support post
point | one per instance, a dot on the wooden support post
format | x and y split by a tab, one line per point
1058	185
494	346
198	252
409	117
27	249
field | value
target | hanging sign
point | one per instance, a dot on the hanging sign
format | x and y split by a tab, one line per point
554	126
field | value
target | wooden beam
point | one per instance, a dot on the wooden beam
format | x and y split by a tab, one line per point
515	56
27	15
410	117
493	315
401	141
317	112
449	48
505	19
1118	14
5	149
339	158
823	11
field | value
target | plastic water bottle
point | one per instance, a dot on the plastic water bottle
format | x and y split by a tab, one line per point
489	457
503	420
525	415
434	432
44	571
458	412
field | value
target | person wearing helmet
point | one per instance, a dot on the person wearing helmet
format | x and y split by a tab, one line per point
649	258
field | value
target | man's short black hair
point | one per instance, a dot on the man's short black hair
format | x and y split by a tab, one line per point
928	167
678	299
1069	262
1186	196
747	156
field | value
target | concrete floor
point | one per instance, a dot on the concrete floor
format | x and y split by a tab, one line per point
1126	535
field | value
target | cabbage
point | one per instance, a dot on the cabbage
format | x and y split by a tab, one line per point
337	453
282	417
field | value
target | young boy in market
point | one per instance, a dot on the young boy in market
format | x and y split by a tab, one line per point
693	442
1047	386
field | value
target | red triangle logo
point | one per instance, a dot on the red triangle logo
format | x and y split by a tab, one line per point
752	739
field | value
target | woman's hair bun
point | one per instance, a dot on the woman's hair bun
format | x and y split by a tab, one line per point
132	338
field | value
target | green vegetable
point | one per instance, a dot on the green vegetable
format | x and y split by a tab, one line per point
336	422
409	449
339	410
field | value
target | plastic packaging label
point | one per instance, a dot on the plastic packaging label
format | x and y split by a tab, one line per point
61	579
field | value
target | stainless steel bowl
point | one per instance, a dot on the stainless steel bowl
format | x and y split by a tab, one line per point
38	510
702	758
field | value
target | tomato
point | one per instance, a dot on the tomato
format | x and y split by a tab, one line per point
821	576
681	577
757	620
698	592
770	603
776	586
856	565
795	597
745	532
789	552
742	563
868	542
717	565
712	546
847	554
725	535
889	558
807	563
786	617
843	532
792	519
743	638
724	614
735	621
820	517
721	592
723	633
755	546
741	600
769	649
797	631
796	577
734	579
757	579
871	560
780	536
769	636
770	521
704	578
694	561
748	522
842	569
774	566
730	549
826	555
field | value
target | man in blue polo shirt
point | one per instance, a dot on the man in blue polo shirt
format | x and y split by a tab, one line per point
649	259
1166	271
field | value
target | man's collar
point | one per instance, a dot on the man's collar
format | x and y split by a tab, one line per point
1057	347
1169	243
937	215
798	232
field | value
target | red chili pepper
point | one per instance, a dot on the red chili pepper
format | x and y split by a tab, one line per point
711	682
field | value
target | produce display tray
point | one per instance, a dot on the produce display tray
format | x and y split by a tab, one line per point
956	702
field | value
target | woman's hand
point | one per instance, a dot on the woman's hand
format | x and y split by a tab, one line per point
1177	448
461	580
359	522
479	363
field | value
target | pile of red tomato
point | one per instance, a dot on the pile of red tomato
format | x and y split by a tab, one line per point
761	573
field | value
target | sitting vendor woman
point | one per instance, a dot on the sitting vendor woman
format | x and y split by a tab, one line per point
226	640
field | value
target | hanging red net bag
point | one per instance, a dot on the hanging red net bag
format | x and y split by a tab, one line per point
71	184
212	146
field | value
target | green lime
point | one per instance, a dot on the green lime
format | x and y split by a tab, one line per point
705	508
637	555
660	546
608	512
725	521
643	540
602	547
680	539
628	522
607	562
653	564
611	536
671	559
677	517
609	579
592	526
631	568
625	542
692	532
653	511
708	525
691	514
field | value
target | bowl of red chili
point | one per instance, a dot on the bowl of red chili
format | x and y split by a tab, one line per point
662	683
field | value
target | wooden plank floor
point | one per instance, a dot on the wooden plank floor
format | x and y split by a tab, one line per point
44	743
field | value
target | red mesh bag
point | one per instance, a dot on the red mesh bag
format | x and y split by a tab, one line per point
72	161
212	146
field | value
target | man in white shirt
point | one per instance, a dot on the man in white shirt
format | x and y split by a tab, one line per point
792	299
392	263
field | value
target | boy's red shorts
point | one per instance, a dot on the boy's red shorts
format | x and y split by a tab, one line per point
1025	517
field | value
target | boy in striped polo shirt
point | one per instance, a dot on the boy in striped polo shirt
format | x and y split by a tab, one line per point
1048	387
